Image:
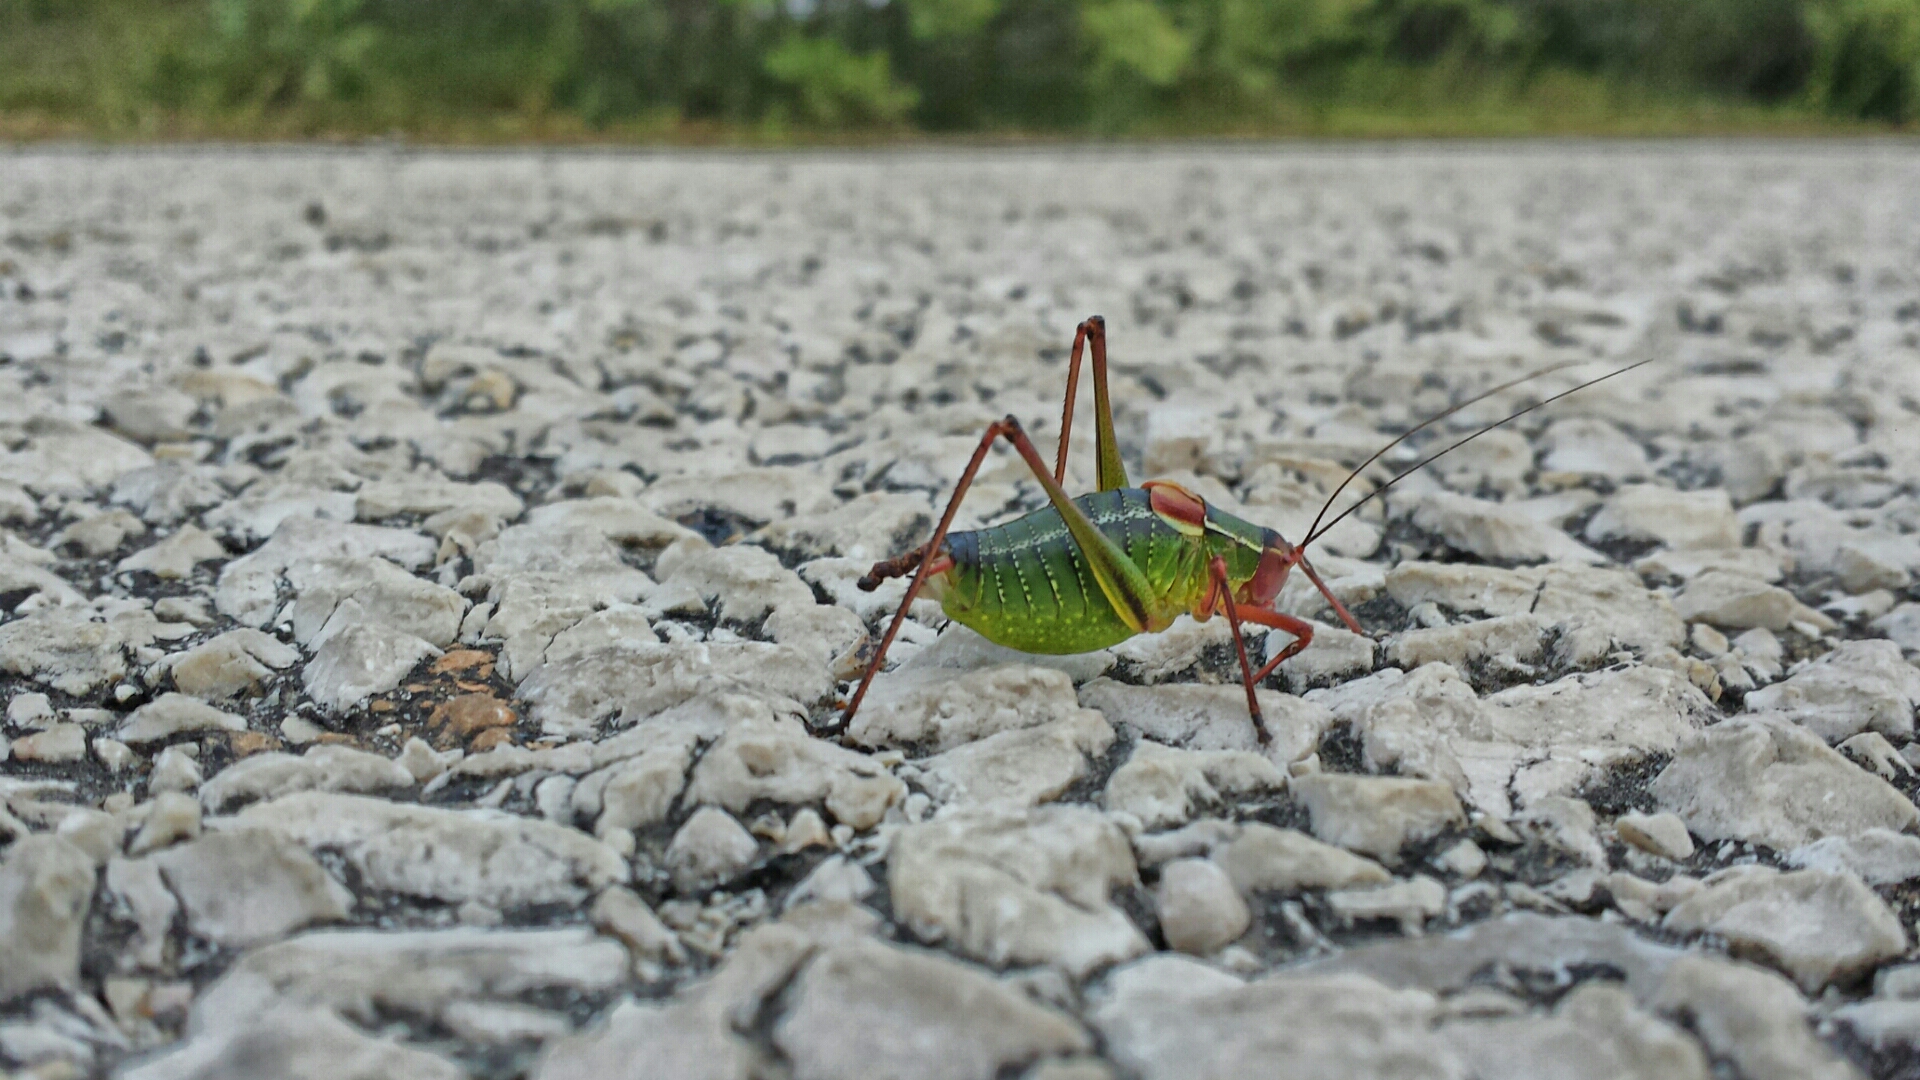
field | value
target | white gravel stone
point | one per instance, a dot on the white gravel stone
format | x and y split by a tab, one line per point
175	768
1200	909
59	744
249	586
710	849
46	883
1509	641
1496	532
939	708
865	1009
66	649
1859	686
1677	519
1023	767
455	856
1017	888
1875	856
620	912
1661	834
354	659
1377	815
1211	717
1265	859
1410	903
229	664
243	887
323	767
1736	602
643	680
1816	926
175	557
777	760
1771	782
170	817
174	714
1164	787
1166	1018
384	594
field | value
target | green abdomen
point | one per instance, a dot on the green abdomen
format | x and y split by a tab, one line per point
1026	585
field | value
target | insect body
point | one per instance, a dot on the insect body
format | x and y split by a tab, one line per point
1026	585
1085	573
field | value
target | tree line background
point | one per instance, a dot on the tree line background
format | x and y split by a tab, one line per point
773	69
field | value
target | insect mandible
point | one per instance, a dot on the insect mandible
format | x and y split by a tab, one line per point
1086	573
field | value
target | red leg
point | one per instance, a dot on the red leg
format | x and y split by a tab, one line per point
927	554
1112	474
1224	591
1301	630
1338	607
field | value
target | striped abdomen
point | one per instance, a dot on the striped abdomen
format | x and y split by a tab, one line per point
1026	585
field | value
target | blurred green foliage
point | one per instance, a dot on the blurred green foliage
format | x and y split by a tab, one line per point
507	67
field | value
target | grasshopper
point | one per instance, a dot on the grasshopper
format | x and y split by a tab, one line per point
1083	574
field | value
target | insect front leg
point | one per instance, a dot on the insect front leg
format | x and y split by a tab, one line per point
1223	589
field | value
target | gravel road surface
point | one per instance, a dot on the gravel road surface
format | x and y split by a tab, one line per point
426	580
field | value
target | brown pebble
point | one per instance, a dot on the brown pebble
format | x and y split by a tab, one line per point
489	739
382	706
460	660
470	713
248	743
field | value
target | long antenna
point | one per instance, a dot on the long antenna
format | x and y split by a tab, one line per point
1422	425
1321	530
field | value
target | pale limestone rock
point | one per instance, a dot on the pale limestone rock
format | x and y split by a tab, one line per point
1509	641
46	883
1818	927
777	760
497	859
1676	519
940	708
643	680
1859	686
1590	446
1496	532
620	912
1022	767
1737	603
1661	834
249	586
175	768
1211	717
176	557
171	817
1464	587
1017	888
425	494
1264	859
1875	856
173	714
229	664
384	594
1377	815
1772	782
1165	1018
1200	910
1163	787
151	906
747	582
59	744
1410	903
864	1009
356	658
1336	653
1596	1031
710	849
324	767
243	887
66	649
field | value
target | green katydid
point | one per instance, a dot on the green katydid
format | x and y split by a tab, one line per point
1086	573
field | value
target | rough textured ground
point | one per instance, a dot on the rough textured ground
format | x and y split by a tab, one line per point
427	579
